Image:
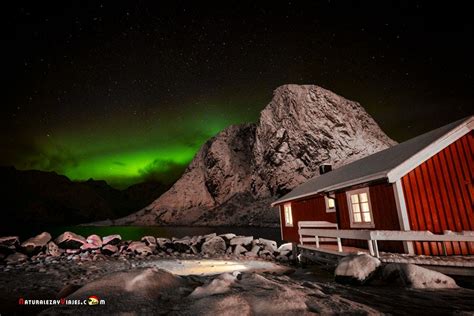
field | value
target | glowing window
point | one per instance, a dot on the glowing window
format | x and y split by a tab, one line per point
359	207
288	215
330	204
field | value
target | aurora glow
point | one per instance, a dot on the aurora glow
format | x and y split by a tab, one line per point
128	91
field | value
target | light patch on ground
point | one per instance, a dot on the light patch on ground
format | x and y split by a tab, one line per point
212	267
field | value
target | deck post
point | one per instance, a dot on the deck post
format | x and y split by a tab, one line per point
317	241
376	247
371	247
339	244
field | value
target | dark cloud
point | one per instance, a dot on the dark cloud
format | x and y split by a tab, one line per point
165	171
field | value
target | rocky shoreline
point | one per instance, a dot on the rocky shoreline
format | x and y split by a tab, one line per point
209	275
71	246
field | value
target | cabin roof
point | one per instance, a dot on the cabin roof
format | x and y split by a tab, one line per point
391	163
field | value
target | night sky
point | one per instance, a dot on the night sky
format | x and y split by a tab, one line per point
129	91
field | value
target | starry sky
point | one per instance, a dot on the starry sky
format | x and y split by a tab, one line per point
127	91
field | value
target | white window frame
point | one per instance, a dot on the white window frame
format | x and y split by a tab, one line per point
287	210
351	215
326	200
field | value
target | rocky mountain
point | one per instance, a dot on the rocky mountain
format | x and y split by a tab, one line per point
236	174
34	199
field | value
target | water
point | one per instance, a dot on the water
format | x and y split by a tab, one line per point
137	232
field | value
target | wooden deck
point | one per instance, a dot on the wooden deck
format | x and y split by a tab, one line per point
328	254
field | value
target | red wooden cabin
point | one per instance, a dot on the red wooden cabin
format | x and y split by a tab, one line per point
423	184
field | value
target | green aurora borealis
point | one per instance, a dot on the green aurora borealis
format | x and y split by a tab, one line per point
124	151
127	91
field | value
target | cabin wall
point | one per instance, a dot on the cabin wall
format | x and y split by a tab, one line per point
309	209
439	196
384	212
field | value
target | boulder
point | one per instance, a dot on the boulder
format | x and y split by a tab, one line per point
36	244
416	277
213	246
269	244
163	243
70	240
139	248
86	246
239	250
227	237
182	245
111	240
285	247
241	240
94	240
109	249
356	269
16	258
53	250
9	244
150	241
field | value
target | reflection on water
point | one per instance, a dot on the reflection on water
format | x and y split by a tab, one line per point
211	267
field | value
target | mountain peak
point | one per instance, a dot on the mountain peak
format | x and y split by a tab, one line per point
238	172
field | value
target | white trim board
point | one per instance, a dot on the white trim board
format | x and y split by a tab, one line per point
414	161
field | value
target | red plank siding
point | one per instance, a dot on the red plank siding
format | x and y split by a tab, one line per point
309	209
439	196
384	212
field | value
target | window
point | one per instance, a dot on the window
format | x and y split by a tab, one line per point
330	204
288	215
359	207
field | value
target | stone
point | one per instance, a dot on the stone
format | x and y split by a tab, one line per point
241	240
236	174
213	246
89	247
163	243
53	250
285	247
227	237
139	248
16	258
111	240
239	250
416	277
36	244
70	240
94	240
182	245
356	269
269	244
150	241
109	249
9	244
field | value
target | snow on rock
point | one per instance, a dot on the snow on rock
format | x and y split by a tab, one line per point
94	240
268	244
235	175
140	248
219	285
109	249
70	240
213	246
239	250
285	247
357	269
111	240
36	244
241	240
416	277
9	244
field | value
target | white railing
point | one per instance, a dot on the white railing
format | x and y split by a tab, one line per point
315	224
372	236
